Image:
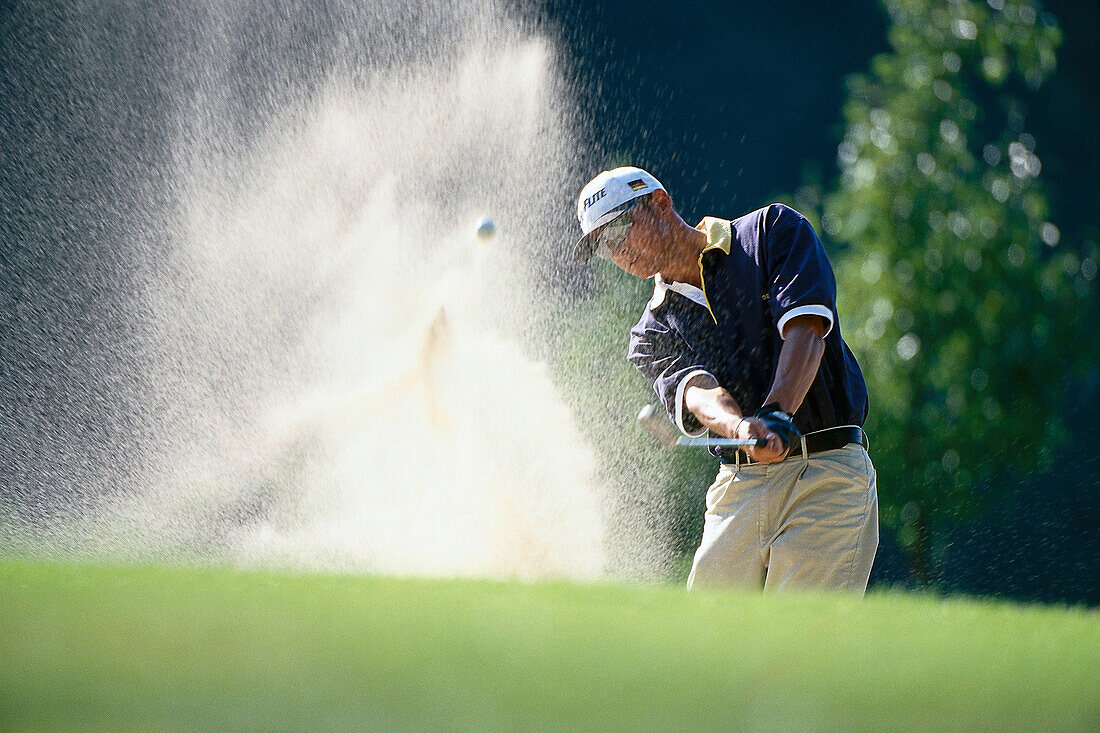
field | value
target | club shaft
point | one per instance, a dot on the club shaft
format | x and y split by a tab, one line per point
721	442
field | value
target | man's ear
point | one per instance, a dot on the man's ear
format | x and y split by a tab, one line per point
660	200
661	204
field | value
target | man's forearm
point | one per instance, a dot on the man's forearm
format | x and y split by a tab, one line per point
799	360
712	405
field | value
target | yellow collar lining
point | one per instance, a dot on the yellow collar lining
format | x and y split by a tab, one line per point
719	237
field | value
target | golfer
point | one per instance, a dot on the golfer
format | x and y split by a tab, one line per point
742	339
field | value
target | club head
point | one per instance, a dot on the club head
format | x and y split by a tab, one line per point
657	424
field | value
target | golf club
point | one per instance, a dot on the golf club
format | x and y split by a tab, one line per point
653	419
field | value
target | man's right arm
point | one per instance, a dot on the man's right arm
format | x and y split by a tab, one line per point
665	361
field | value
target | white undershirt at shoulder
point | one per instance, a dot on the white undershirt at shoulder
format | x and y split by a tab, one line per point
660	287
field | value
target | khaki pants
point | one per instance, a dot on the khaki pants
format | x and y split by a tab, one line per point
801	523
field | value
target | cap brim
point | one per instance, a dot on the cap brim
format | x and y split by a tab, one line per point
585	247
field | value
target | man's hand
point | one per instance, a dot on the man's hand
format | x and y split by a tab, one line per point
780	424
755	427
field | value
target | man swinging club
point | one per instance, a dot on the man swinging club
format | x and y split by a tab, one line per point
742	339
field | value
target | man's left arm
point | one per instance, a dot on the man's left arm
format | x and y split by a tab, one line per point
802	299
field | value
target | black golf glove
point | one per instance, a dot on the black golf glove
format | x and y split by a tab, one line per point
779	423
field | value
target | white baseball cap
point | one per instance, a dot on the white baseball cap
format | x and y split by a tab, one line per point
604	199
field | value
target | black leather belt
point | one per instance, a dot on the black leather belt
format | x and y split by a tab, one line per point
822	440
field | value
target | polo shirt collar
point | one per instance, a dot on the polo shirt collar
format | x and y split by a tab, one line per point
719	234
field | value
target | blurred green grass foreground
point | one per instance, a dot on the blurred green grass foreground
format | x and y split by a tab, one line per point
89	647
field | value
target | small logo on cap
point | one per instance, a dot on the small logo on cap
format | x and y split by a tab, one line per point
636	185
594	198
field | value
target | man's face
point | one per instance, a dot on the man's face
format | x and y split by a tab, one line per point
642	252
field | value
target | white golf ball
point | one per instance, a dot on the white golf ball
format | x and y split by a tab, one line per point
485	228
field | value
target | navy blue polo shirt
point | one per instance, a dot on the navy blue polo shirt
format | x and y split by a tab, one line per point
758	272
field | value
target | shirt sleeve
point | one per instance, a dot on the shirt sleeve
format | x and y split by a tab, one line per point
801	277
664	359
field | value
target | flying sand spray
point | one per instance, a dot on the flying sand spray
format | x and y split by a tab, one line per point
338	375
411	440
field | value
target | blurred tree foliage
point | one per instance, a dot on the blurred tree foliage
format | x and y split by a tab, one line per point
956	293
